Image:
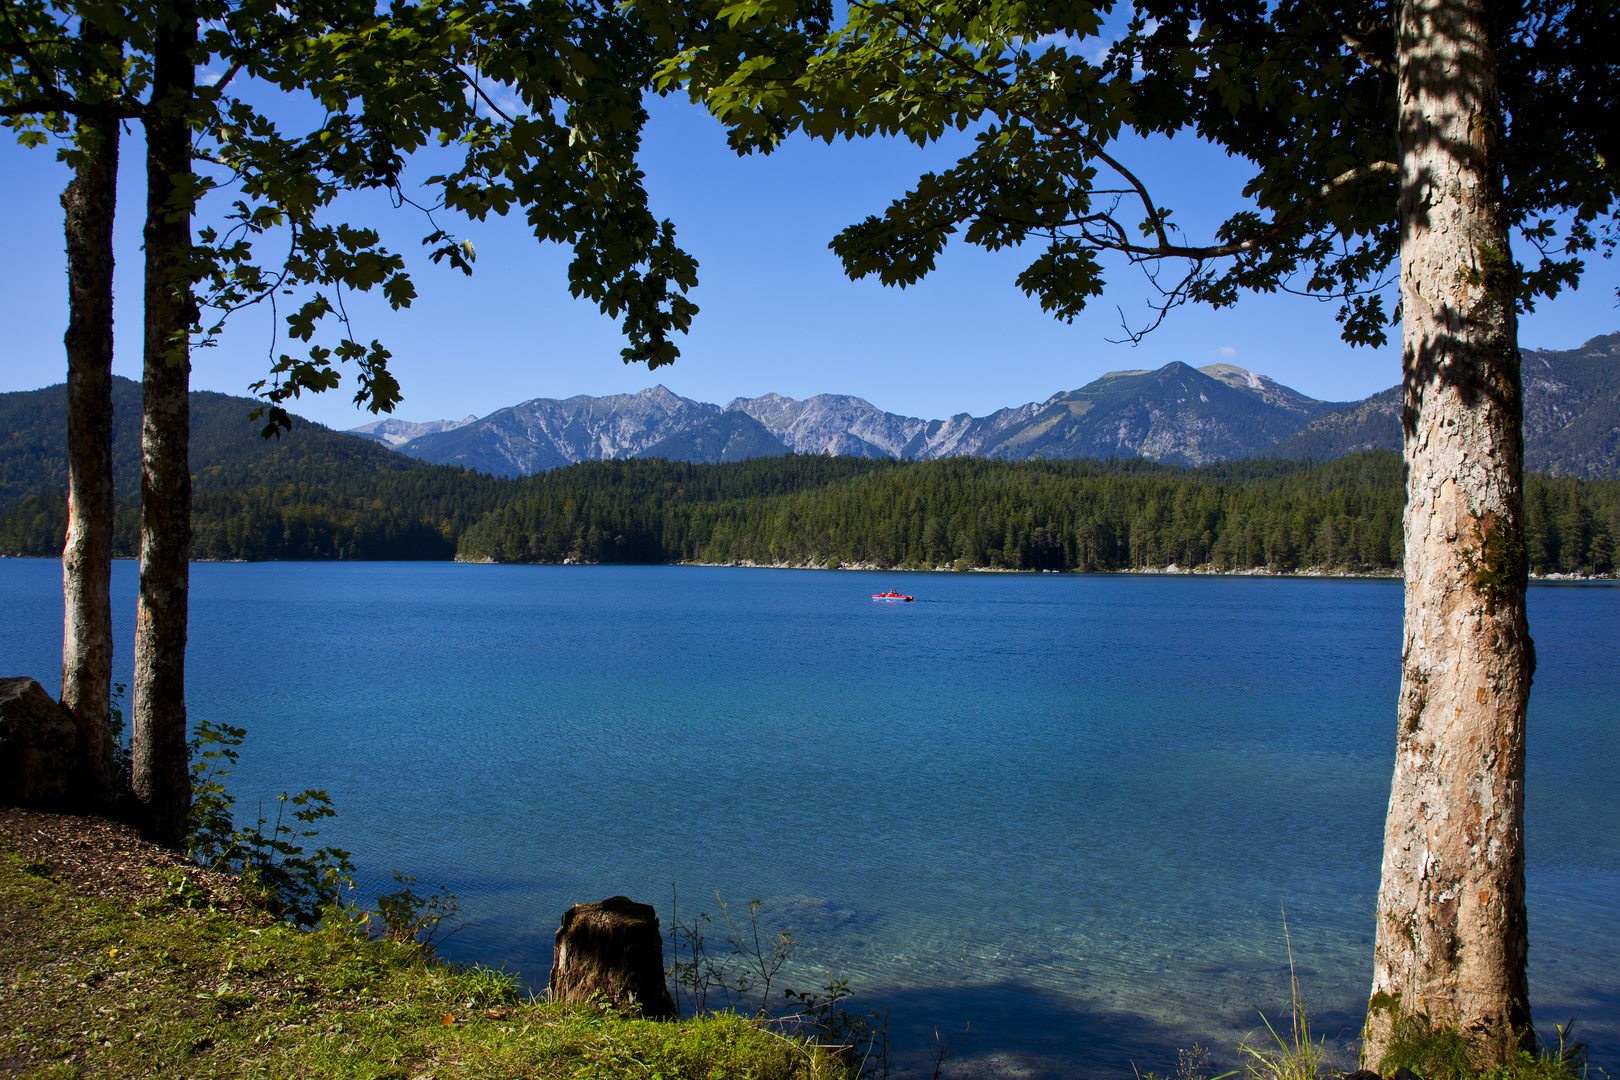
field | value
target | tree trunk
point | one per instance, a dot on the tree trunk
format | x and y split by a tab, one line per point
87	645
161	780
1451	932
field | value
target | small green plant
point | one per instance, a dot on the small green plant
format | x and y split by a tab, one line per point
269	857
859	1039
1566	1059
1433	1051
761	960
119	780
751	965
412	918
1438	1051
1296	1056
179	890
693	978
754	961
1192	1065
944	1050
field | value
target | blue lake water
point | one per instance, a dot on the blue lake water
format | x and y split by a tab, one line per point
1073	810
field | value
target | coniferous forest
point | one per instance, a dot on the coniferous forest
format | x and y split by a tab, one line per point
811	510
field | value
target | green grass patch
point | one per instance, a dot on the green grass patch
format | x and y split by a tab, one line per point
172	987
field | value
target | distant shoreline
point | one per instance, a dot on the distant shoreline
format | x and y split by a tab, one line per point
1313	573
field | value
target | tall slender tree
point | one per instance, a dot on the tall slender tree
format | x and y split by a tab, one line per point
87	637
162	783
1399	142
387	83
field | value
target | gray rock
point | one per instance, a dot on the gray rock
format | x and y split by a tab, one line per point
37	743
396	432
612	953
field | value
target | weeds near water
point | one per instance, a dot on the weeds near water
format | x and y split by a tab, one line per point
750	965
269	857
1295	1056
741	979
1437	1051
859	1039
943	1051
414	919
761	960
1192	1065
1567	1059
1433	1051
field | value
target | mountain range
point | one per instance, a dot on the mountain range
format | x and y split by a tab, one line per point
1176	414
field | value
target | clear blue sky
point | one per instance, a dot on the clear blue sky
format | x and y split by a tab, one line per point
777	312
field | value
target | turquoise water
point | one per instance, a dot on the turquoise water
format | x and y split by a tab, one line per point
1074	810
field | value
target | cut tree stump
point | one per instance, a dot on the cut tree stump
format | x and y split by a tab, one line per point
612	953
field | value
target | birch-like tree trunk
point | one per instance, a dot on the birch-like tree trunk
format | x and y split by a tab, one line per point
87	642
1451	938
161	780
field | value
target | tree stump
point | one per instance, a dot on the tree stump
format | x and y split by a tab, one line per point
612	953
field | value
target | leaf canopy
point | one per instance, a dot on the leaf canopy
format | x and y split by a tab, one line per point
539	104
1302	91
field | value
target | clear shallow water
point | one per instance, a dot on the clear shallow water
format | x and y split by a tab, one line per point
1072	810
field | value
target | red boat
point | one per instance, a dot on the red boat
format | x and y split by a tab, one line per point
893	597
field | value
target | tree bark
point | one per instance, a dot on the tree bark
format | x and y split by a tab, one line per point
87	644
161	781
1451	937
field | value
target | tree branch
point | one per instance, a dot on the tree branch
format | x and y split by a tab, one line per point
1366	55
116	110
496	109
1278	225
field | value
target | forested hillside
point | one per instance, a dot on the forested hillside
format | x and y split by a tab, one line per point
313	493
1071	515
226	450
817	510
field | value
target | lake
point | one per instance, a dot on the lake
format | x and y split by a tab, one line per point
1073	810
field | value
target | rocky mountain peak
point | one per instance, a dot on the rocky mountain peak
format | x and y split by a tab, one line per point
1234	376
396	432
661	395
1269	390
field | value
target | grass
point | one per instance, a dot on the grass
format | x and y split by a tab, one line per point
1432	1051
170	986
1439	1052
1296	1057
121	960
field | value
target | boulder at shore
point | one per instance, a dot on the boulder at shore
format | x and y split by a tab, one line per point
37	742
612	953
